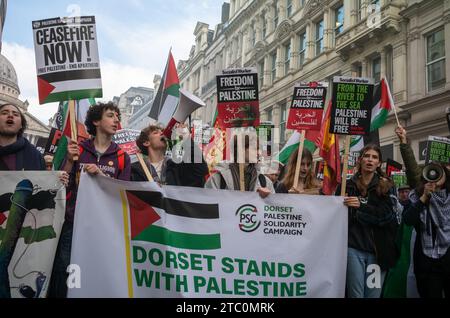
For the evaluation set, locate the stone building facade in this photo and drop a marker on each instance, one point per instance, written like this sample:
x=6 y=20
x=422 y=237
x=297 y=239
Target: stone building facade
x=289 y=41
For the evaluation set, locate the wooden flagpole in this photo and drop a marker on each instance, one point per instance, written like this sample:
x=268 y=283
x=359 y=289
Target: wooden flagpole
x=299 y=158
x=345 y=168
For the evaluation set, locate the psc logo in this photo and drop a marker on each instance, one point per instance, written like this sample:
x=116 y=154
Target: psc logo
x=248 y=221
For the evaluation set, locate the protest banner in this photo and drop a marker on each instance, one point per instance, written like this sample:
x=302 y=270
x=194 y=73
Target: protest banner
x=438 y=150
x=351 y=112
x=238 y=98
x=150 y=241
x=32 y=207
x=305 y=114
x=52 y=141
x=126 y=139
x=307 y=107
x=352 y=104
x=393 y=166
x=67 y=59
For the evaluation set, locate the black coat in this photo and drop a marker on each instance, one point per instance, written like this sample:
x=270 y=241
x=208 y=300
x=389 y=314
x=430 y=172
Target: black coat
x=373 y=226
x=27 y=156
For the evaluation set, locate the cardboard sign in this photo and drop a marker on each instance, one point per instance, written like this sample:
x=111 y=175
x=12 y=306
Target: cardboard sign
x=126 y=139
x=307 y=107
x=352 y=105
x=238 y=98
x=67 y=59
x=393 y=166
x=438 y=150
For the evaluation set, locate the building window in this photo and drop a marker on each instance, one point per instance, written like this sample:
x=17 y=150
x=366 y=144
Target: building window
x=289 y=8
x=283 y=120
x=436 y=60
x=274 y=65
x=376 y=69
x=319 y=37
x=261 y=73
x=302 y=3
x=302 y=49
x=287 y=58
x=339 y=20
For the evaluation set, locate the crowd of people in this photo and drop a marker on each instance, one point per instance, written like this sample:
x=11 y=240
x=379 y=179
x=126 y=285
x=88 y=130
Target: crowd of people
x=376 y=209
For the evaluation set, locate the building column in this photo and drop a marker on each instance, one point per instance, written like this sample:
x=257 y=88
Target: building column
x=364 y=4
x=400 y=71
x=276 y=119
x=282 y=14
x=309 y=52
x=294 y=63
x=364 y=68
x=327 y=30
x=383 y=63
x=258 y=28
x=280 y=62
x=267 y=71
x=349 y=18
x=263 y=115
x=447 y=42
x=270 y=14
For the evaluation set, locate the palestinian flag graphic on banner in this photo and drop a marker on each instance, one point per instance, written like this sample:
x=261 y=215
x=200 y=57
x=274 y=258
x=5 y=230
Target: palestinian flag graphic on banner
x=146 y=223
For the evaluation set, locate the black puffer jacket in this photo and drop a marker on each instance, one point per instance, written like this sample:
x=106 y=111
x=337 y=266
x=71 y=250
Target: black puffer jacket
x=373 y=226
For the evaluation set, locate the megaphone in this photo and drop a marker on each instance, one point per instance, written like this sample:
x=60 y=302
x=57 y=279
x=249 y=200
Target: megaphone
x=432 y=172
x=188 y=104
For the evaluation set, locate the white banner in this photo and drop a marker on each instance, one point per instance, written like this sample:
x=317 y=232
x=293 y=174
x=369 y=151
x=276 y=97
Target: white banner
x=141 y=240
x=32 y=206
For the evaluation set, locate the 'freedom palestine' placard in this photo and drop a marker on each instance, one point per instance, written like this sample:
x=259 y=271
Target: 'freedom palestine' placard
x=67 y=59
x=352 y=105
x=307 y=107
x=238 y=99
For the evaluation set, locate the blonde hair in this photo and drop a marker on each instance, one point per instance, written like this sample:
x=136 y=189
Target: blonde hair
x=311 y=181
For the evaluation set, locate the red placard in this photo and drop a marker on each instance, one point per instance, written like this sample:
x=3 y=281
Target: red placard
x=307 y=107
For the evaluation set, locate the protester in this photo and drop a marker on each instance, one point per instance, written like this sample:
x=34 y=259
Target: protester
x=275 y=173
x=372 y=225
x=429 y=213
x=190 y=172
x=403 y=195
x=16 y=152
x=307 y=181
x=226 y=176
x=413 y=171
x=97 y=156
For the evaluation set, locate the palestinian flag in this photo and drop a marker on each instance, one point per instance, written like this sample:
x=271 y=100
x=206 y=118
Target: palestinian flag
x=167 y=98
x=81 y=107
x=146 y=224
x=400 y=281
x=383 y=104
x=294 y=142
x=69 y=85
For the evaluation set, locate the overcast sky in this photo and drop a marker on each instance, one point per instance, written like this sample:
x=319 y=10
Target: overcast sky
x=134 y=38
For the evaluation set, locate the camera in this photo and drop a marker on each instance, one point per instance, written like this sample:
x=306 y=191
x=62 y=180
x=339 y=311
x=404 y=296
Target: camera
x=432 y=172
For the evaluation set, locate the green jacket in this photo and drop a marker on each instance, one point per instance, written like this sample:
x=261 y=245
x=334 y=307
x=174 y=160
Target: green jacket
x=413 y=170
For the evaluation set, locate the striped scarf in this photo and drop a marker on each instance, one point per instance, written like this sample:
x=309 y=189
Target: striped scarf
x=435 y=224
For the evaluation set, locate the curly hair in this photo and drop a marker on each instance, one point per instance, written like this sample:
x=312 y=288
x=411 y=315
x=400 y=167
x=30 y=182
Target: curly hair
x=95 y=113
x=143 y=137
x=22 y=118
